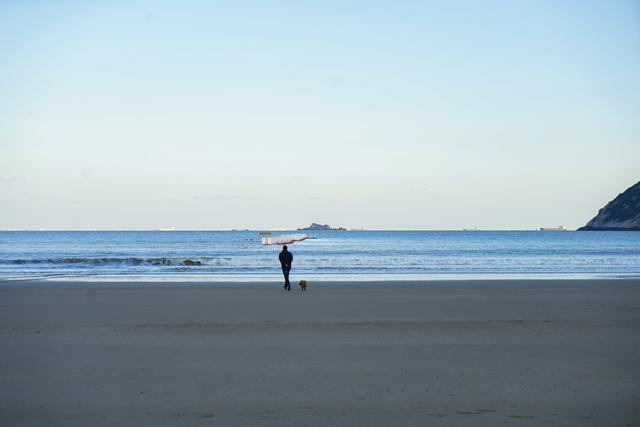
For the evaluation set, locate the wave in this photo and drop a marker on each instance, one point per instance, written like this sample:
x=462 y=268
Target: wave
x=159 y=261
x=335 y=262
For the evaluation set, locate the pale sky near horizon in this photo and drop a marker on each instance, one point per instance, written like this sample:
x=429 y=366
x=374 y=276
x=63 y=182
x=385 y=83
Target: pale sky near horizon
x=383 y=115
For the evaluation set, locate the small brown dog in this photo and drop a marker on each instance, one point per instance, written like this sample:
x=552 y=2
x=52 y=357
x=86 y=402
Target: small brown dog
x=303 y=285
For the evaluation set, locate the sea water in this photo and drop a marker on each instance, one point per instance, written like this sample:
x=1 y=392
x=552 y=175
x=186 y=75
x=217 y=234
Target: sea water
x=333 y=255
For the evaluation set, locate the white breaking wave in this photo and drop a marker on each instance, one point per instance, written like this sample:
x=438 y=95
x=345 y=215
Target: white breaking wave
x=284 y=239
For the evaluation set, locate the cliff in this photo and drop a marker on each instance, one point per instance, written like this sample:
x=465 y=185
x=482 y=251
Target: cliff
x=622 y=213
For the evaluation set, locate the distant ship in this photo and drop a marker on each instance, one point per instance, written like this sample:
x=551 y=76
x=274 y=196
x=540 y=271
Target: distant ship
x=558 y=228
x=471 y=229
x=166 y=229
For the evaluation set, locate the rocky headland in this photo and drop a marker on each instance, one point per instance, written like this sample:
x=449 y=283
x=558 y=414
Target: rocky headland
x=620 y=214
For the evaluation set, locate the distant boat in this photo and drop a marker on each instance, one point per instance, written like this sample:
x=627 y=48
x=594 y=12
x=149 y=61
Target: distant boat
x=471 y=229
x=558 y=228
x=166 y=229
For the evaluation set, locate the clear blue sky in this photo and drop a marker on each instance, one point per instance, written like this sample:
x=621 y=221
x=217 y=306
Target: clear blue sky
x=388 y=115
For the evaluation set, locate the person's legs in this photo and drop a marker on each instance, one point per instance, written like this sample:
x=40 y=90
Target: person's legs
x=286 y=271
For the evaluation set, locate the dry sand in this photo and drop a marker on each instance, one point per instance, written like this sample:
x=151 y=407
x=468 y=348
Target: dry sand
x=434 y=353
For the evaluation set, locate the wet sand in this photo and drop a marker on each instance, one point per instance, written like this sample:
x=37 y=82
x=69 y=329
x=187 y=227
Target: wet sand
x=549 y=352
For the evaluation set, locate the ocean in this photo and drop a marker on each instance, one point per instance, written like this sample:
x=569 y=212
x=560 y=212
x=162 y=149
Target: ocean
x=333 y=255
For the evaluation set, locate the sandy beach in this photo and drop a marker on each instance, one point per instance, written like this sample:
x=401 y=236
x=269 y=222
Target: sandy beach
x=396 y=353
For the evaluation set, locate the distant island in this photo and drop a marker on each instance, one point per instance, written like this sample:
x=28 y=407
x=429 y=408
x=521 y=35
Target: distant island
x=315 y=226
x=620 y=214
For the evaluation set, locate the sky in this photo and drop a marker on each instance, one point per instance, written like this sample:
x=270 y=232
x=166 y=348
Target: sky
x=363 y=114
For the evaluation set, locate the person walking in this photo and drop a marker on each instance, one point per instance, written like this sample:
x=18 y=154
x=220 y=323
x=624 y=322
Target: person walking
x=286 y=258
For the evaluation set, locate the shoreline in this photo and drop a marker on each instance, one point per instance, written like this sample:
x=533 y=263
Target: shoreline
x=242 y=281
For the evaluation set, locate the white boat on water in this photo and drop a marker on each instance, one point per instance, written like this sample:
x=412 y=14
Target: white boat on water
x=558 y=228
x=166 y=229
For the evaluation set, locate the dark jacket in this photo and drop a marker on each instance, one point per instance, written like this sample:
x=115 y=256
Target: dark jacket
x=286 y=258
